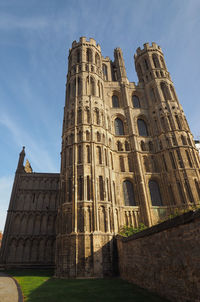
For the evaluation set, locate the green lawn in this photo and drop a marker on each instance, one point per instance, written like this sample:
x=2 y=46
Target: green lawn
x=40 y=286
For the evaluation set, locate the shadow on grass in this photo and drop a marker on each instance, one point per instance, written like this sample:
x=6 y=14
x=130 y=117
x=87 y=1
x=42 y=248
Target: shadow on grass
x=80 y=290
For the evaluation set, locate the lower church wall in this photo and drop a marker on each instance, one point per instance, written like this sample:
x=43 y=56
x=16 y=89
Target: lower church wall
x=165 y=258
x=85 y=255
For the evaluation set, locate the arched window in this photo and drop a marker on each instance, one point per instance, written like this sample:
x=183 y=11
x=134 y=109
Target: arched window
x=154 y=189
x=88 y=153
x=106 y=159
x=88 y=115
x=150 y=146
x=78 y=56
x=139 y=72
x=115 y=101
x=99 y=154
x=89 y=55
x=99 y=89
x=119 y=146
x=105 y=73
x=163 y=62
x=79 y=86
x=135 y=101
x=79 y=154
x=101 y=188
x=152 y=94
x=183 y=139
x=97 y=119
x=143 y=146
x=173 y=92
x=142 y=127
x=97 y=59
x=155 y=61
x=92 y=86
x=146 y=64
x=127 y=147
x=80 y=188
x=165 y=91
x=129 y=198
x=88 y=188
x=119 y=127
x=87 y=135
x=111 y=159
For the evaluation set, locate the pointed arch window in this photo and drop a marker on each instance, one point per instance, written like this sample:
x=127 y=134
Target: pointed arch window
x=97 y=60
x=127 y=146
x=163 y=62
x=119 y=127
x=139 y=71
x=78 y=56
x=92 y=86
x=155 y=61
x=89 y=55
x=79 y=86
x=135 y=101
x=80 y=188
x=142 y=127
x=129 y=198
x=101 y=188
x=154 y=189
x=99 y=155
x=79 y=154
x=146 y=64
x=165 y=91
x=105 y=72
x=88 y=153
x=115 y=101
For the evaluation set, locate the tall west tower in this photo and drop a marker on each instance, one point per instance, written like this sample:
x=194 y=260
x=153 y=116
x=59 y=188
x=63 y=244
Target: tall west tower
x=128 y=155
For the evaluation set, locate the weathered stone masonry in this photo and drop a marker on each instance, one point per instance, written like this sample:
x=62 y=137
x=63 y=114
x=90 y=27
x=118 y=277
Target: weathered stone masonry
x=165 y=258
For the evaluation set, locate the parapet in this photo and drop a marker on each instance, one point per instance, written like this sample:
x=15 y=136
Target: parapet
x=147 y=47
x=83 y=40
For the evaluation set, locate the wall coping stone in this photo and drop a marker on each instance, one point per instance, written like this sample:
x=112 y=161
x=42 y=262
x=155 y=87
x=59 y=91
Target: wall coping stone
x=168 y=224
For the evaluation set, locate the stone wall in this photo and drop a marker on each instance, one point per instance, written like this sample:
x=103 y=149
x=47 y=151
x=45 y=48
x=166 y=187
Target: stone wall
x=165 y=258
x=30 y=231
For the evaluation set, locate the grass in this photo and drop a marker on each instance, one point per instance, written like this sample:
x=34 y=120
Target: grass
x=40 y=286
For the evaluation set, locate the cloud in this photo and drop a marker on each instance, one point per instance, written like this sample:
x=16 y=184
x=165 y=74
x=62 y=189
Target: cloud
x=38 y=155
x=5 y=192
x=10 y=22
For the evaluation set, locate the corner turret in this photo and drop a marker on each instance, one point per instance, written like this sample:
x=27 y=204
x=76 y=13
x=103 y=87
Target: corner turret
x=150 y=63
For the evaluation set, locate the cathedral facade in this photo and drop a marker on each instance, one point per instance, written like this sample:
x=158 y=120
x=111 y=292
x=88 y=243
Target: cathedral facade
x=128 y=157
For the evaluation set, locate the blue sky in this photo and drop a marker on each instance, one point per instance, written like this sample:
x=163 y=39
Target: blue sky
x=35 y=37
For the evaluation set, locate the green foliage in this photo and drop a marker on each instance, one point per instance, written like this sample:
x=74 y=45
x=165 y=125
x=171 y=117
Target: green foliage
x=127 y=231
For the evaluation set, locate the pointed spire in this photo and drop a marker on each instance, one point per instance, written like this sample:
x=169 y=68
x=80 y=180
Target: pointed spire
x=28 y=168
x=21 y=160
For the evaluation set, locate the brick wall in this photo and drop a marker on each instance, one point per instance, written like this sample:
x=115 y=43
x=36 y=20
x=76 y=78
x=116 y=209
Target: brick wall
x=165 y=258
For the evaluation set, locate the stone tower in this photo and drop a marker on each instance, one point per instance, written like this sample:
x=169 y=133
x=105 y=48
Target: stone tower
x=128 y=155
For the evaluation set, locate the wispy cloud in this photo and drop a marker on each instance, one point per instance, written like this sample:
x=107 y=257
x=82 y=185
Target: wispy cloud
x=37 y=153
x=10 y=22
